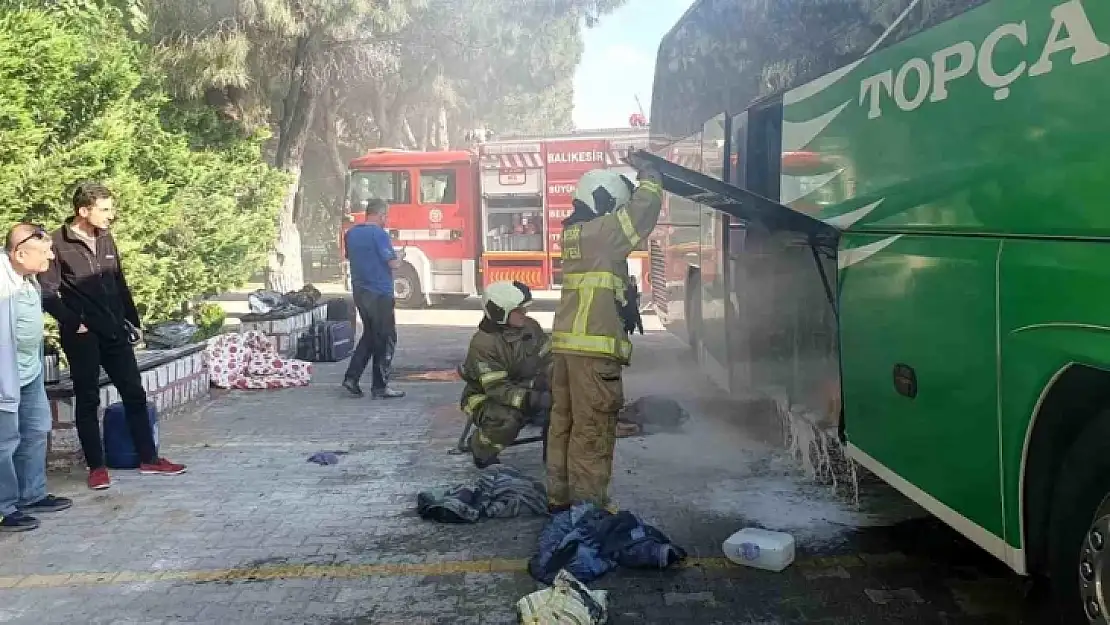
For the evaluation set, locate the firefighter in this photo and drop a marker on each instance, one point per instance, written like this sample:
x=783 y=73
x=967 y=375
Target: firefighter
x=506 y=371
x=590 y=334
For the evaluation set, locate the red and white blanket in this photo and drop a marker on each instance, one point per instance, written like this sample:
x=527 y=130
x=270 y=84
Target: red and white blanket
x=251 y=361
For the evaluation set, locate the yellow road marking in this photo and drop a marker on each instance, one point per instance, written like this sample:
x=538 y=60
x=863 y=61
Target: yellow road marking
x=338 y=571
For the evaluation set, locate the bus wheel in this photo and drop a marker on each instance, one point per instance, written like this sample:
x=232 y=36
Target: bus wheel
x=406 y=288
x=1079 y=540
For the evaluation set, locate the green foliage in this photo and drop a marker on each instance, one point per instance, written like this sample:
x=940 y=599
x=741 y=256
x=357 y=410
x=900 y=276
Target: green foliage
x=209 y=318
x=79 y=100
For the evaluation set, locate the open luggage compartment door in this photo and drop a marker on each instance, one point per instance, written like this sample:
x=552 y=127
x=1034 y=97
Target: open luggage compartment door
x=746 y=207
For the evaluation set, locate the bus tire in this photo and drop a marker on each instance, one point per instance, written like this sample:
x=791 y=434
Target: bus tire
x=406 y=287
x=1079 y=528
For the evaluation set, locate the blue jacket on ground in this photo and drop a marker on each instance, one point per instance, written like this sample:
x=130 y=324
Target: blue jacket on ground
x=589 y=542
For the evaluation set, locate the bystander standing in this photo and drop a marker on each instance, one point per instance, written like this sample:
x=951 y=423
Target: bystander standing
x=85 y=290
x=372 y=258
x=25 y=417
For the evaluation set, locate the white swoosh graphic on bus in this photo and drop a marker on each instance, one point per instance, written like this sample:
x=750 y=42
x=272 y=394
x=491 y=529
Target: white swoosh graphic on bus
x=797 y=135
x=847 y=258
x=794 y=192
x=818 y=85
x=847 y=220
x=821 y=83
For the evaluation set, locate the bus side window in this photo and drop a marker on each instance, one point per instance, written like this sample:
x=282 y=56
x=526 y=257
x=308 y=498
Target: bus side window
x=437 y=186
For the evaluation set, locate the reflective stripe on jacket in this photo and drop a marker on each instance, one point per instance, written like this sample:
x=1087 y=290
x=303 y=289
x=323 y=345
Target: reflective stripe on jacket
x=595 y=272
x=502 y=363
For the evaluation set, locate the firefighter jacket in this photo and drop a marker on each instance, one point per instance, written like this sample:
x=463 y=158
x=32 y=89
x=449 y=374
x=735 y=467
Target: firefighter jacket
x=502 y=365
x=595 y=274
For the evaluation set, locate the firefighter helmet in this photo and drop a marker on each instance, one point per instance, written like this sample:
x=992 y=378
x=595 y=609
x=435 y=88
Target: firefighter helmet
x=501 y=298
x=603 y=191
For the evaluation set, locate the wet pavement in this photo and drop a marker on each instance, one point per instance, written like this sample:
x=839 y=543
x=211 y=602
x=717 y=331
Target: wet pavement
x=255 y=534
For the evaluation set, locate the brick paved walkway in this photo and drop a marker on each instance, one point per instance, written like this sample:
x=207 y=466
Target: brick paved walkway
x=254 y=534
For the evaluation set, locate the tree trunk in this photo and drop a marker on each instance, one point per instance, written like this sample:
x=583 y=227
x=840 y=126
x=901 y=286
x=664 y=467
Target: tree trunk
x=425 y=132
x=409 y=136
x=329 y=122
x=442 y=139
x=390 y=131
x=285 y=271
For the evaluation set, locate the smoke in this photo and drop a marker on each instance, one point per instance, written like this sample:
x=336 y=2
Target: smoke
x=764 y=435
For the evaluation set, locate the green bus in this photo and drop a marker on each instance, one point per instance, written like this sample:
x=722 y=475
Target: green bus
x=940 y=257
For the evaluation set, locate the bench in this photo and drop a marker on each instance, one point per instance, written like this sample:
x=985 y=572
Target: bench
x=172 y=378
x=287 y=330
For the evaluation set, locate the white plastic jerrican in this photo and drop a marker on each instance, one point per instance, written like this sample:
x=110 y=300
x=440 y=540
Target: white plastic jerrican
x=761 y=549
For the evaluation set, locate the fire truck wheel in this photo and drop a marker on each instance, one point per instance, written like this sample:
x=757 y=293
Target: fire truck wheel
x=406 y=288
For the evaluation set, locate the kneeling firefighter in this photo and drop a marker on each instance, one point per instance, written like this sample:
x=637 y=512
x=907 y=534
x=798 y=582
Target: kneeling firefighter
x=590 y=334
x=506 y=371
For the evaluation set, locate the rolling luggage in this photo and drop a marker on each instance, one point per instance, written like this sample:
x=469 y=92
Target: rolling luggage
x=341 y=309
x=327 y=341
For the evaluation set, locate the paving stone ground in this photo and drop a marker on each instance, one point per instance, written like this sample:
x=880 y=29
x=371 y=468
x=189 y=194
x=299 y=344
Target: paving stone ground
x=254 y=534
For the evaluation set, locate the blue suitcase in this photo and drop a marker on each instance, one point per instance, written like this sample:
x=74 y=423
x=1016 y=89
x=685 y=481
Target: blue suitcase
x=333 y=341
x=119 y=449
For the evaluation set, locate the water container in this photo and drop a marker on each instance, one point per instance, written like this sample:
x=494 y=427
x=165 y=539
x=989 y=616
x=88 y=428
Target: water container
x=119 y=449
x=761 y=549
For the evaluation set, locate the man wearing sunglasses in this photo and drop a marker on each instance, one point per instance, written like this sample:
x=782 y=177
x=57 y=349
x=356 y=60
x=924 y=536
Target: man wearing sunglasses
x=24 y=409
x=98 y=324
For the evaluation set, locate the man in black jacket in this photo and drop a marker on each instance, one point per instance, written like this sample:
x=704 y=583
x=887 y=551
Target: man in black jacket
x=85 y=290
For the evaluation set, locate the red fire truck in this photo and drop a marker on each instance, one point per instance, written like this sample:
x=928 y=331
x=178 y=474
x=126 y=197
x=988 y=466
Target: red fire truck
x=468 y=218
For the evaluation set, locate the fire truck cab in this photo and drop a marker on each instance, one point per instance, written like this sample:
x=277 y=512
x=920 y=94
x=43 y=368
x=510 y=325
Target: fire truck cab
x=430 y=218
x=466 y=219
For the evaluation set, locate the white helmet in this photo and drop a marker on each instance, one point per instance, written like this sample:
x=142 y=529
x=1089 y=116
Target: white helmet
x=603 y=190
x=501 y=298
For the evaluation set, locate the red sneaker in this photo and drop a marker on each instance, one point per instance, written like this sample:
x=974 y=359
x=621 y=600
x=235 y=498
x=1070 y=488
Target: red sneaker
x=99 y=479
x=161 y=466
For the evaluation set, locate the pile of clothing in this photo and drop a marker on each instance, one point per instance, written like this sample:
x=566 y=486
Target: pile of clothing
x=501 y=492
x=588 y=542
x=268 y=305
x=251 y=361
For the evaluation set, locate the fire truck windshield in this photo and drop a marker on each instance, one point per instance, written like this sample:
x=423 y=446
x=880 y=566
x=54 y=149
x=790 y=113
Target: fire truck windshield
x=392 y=186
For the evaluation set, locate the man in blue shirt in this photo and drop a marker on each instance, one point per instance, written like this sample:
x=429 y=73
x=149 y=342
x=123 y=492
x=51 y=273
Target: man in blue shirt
x=370 y=252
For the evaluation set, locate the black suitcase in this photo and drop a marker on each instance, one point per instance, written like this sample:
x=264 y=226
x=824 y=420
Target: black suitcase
x=341 y=309
x=332 y=341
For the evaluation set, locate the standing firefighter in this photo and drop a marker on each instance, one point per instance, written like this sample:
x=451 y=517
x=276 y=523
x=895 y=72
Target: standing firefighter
x=590 y=335
x=506 y=371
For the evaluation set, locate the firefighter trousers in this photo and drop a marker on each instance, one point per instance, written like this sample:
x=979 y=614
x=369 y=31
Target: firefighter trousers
x=496 y=426
x=587 y=394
